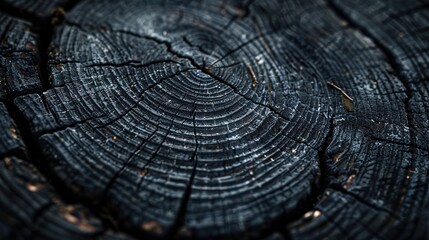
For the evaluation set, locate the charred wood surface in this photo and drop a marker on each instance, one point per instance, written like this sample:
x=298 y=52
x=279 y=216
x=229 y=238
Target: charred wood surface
x=214 y=119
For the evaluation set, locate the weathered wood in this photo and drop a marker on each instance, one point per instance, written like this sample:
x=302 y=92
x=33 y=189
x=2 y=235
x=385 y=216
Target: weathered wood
x=37 y=10
x=19 y=59
x=218 y=119
x=29 y=206
x=384 y=191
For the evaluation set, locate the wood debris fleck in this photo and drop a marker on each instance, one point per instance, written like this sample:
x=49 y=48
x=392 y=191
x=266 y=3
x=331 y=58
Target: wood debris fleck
x=34 y=187
x=252 y=73
x=13 y=132
x=143 y=172
x=346 y=99
x=312 y=214
x=8 y=163
x=316 y=214
x=152 y=226
x=349 y=181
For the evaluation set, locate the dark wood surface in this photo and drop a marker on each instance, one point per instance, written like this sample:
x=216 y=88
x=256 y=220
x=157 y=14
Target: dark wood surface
x=214 y=119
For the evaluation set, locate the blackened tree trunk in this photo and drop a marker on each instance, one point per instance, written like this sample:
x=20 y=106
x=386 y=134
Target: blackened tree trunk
x=214 y=119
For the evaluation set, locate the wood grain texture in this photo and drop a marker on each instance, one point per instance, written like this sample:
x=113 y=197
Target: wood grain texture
x=19 y=69
x=386 y=197
x=37 y=10
x=219 y=119
x=29 y=205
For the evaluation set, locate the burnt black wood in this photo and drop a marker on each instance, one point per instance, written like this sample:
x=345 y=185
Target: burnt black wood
x=30 y=208
x=37 y=10
x=214 y=119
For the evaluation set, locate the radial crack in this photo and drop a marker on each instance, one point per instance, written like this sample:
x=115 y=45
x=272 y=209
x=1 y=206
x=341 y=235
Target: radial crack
x=395 y=65
x=205 y=69
x=270 y=108
x=187 y=194
x=130 y=158
x=86 y=121
x=251 y=40
x=124 y=166
x=342 y=190
x=153 y=155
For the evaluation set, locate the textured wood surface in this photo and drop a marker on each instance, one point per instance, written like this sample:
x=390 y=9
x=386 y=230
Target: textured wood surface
x=214 y=119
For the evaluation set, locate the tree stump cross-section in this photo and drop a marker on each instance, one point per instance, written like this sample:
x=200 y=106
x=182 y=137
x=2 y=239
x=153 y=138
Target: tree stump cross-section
x=218 y=119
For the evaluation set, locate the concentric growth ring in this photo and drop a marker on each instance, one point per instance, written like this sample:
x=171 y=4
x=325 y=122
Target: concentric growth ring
x=184 y=117
x=214 y=119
